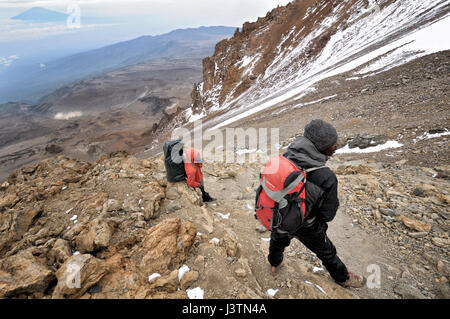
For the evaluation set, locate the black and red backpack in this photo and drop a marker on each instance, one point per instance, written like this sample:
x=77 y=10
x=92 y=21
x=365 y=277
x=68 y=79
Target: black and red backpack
x=283 y=201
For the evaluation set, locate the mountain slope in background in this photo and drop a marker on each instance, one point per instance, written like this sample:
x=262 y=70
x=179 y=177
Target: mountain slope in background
x=38 y=14
x=185 y=43
x=281 y=56
x=139 y=88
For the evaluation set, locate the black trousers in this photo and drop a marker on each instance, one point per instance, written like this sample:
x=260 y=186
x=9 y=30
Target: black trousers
x=316 y=240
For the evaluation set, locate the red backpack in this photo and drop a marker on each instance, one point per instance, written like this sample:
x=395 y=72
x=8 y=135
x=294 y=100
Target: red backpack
x=281 y=199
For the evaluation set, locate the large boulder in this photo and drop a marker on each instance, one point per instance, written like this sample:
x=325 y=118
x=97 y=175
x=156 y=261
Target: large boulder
x=166 y=245
x=24 y=273
x=78 y=274
x=14 y=224
x=95 y=236
x=60 y=251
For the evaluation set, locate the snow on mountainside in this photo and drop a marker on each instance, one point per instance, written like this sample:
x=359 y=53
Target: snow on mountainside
x=281 y=56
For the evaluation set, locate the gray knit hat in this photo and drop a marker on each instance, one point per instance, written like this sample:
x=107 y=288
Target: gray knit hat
x=321 y=134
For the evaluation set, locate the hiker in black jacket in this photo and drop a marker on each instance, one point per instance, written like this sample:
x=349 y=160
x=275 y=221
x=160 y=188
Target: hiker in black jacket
x=312 y=151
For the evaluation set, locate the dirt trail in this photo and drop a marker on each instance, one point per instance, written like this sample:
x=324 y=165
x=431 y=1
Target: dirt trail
x=363 y=251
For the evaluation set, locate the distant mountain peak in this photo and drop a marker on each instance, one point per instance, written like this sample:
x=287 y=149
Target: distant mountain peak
x=41 y=15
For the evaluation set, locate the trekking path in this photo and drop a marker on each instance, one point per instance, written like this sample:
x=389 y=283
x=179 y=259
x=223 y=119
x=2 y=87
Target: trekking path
x=363 y=248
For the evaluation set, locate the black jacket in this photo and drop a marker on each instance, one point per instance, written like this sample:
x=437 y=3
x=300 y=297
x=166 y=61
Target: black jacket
x=305 y=155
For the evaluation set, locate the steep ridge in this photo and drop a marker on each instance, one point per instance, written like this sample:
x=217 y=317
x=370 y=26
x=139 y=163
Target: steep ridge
x=282 y=55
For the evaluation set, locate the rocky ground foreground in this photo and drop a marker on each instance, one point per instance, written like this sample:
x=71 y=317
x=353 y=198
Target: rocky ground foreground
x=116 y=229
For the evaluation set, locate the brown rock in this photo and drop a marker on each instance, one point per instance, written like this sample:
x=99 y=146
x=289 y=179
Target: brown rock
x=441 y=242
x=240 y=272
x=415 y=224
x=167 y=283
x=13 y=225
x=77 y=275
x=8 y=201
x=23 y=273
x=60 y=251
x=443 y=267
x=188 y=279
x=151 y=200
x=231 y=245
x=95 y=236
x=165 y=246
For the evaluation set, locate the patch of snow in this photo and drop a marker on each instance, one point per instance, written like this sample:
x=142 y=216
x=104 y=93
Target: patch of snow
x=216 y=240
x=272 y=292
x=427 y=135
x=245 y=61
x=183 y=269
x=317 y=269
x=321 y=289
x=317 y=286
x=196 y=293
x=69 y=210
x=67 y=116
x=153 y=276
x=305 y=104
x=194 y=117
x=74 y=217
x=265 y=239
x=389 y=144
x=224 y=216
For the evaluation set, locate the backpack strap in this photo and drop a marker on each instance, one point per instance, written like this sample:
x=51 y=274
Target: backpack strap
x=314 y=169
x=278 y=196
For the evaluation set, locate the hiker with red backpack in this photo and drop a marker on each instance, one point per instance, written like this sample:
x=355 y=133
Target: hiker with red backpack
x=194 y=176
x=184 y=164
x=298 y=197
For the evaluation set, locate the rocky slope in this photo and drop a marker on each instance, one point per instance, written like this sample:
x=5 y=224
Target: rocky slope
x=117 y=222
x=117 y=229
x=281 y=56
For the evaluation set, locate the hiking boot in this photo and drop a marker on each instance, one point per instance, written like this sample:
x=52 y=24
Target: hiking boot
x=206 y=198
x=354 y=281
x=274 y=270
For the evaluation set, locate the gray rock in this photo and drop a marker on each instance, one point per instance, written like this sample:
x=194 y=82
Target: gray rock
x=366 y=141
x=140 y=224
x=261 y=229
x=407 y=291
x=173 y=207
x=418 y=234
x=444 y=291
x=418 y=192
x=434 y=216
x=172 y=193
x=387 y=212
x=112 y=205
x=443 y=267
x=445 y=215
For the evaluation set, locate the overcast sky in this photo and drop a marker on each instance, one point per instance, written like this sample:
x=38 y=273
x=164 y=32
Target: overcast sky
x=111 y=21
x=205 y=12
